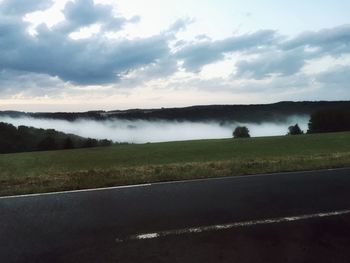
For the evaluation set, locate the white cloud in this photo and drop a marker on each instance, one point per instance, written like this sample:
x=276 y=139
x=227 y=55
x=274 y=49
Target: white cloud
x=65 y=49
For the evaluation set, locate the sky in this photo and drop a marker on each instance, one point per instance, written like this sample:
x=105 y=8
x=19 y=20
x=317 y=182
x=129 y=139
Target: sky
x=84 y=55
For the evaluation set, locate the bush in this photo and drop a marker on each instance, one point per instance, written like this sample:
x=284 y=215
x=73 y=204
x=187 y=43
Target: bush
x=241 y=132
x=105 y=143
x=90 y=143
x=294 y=130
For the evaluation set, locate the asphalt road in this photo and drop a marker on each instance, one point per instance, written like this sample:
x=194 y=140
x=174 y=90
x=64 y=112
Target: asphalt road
x=100 y=225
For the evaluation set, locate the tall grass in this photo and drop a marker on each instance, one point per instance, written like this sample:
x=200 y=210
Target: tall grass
x=131 y=164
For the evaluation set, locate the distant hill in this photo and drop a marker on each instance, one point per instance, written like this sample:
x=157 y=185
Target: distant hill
x=226 y=113
x=25 y=139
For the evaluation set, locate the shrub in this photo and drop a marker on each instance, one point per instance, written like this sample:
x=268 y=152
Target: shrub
x=241 y=132
x=295 y=130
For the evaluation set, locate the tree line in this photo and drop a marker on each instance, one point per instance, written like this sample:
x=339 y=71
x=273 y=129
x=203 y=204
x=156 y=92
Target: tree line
x=26 y=139
x=328 y=120
x=276 y=112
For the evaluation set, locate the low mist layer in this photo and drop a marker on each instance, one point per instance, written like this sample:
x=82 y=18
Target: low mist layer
x=141 y=131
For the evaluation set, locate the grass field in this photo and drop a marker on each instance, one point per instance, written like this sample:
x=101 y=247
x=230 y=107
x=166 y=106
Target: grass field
x=130 y=164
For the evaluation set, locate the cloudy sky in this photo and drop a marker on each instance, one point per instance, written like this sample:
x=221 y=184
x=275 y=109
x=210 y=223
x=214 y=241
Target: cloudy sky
x=82 y=55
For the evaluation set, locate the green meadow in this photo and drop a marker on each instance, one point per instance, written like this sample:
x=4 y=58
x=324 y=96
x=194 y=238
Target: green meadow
x=35 y=172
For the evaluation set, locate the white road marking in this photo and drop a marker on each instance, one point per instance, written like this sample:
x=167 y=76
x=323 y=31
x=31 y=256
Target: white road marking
x=148 y=236
x=76 y=191
x=202 y=229
x=171 y=182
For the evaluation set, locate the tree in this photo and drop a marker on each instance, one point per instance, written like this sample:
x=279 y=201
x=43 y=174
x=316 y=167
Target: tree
x=90 y=143
x=241 y=132
x=105 y=143
x=294 y=130
x=331 y=120
x=47 y=144
x=8 y=138
x=68 y=143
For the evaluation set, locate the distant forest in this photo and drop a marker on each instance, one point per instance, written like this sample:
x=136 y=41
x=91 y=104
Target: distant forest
x=324 y=117
x=277 y=112
x=330 y=120
x=26 y=139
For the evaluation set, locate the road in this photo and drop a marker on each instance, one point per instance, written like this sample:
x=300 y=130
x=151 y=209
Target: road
x=288 y=217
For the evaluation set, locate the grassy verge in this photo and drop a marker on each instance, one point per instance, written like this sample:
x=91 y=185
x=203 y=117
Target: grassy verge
x=131 y=164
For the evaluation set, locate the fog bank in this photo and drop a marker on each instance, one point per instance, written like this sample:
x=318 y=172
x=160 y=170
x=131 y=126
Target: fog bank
x=141 y=131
